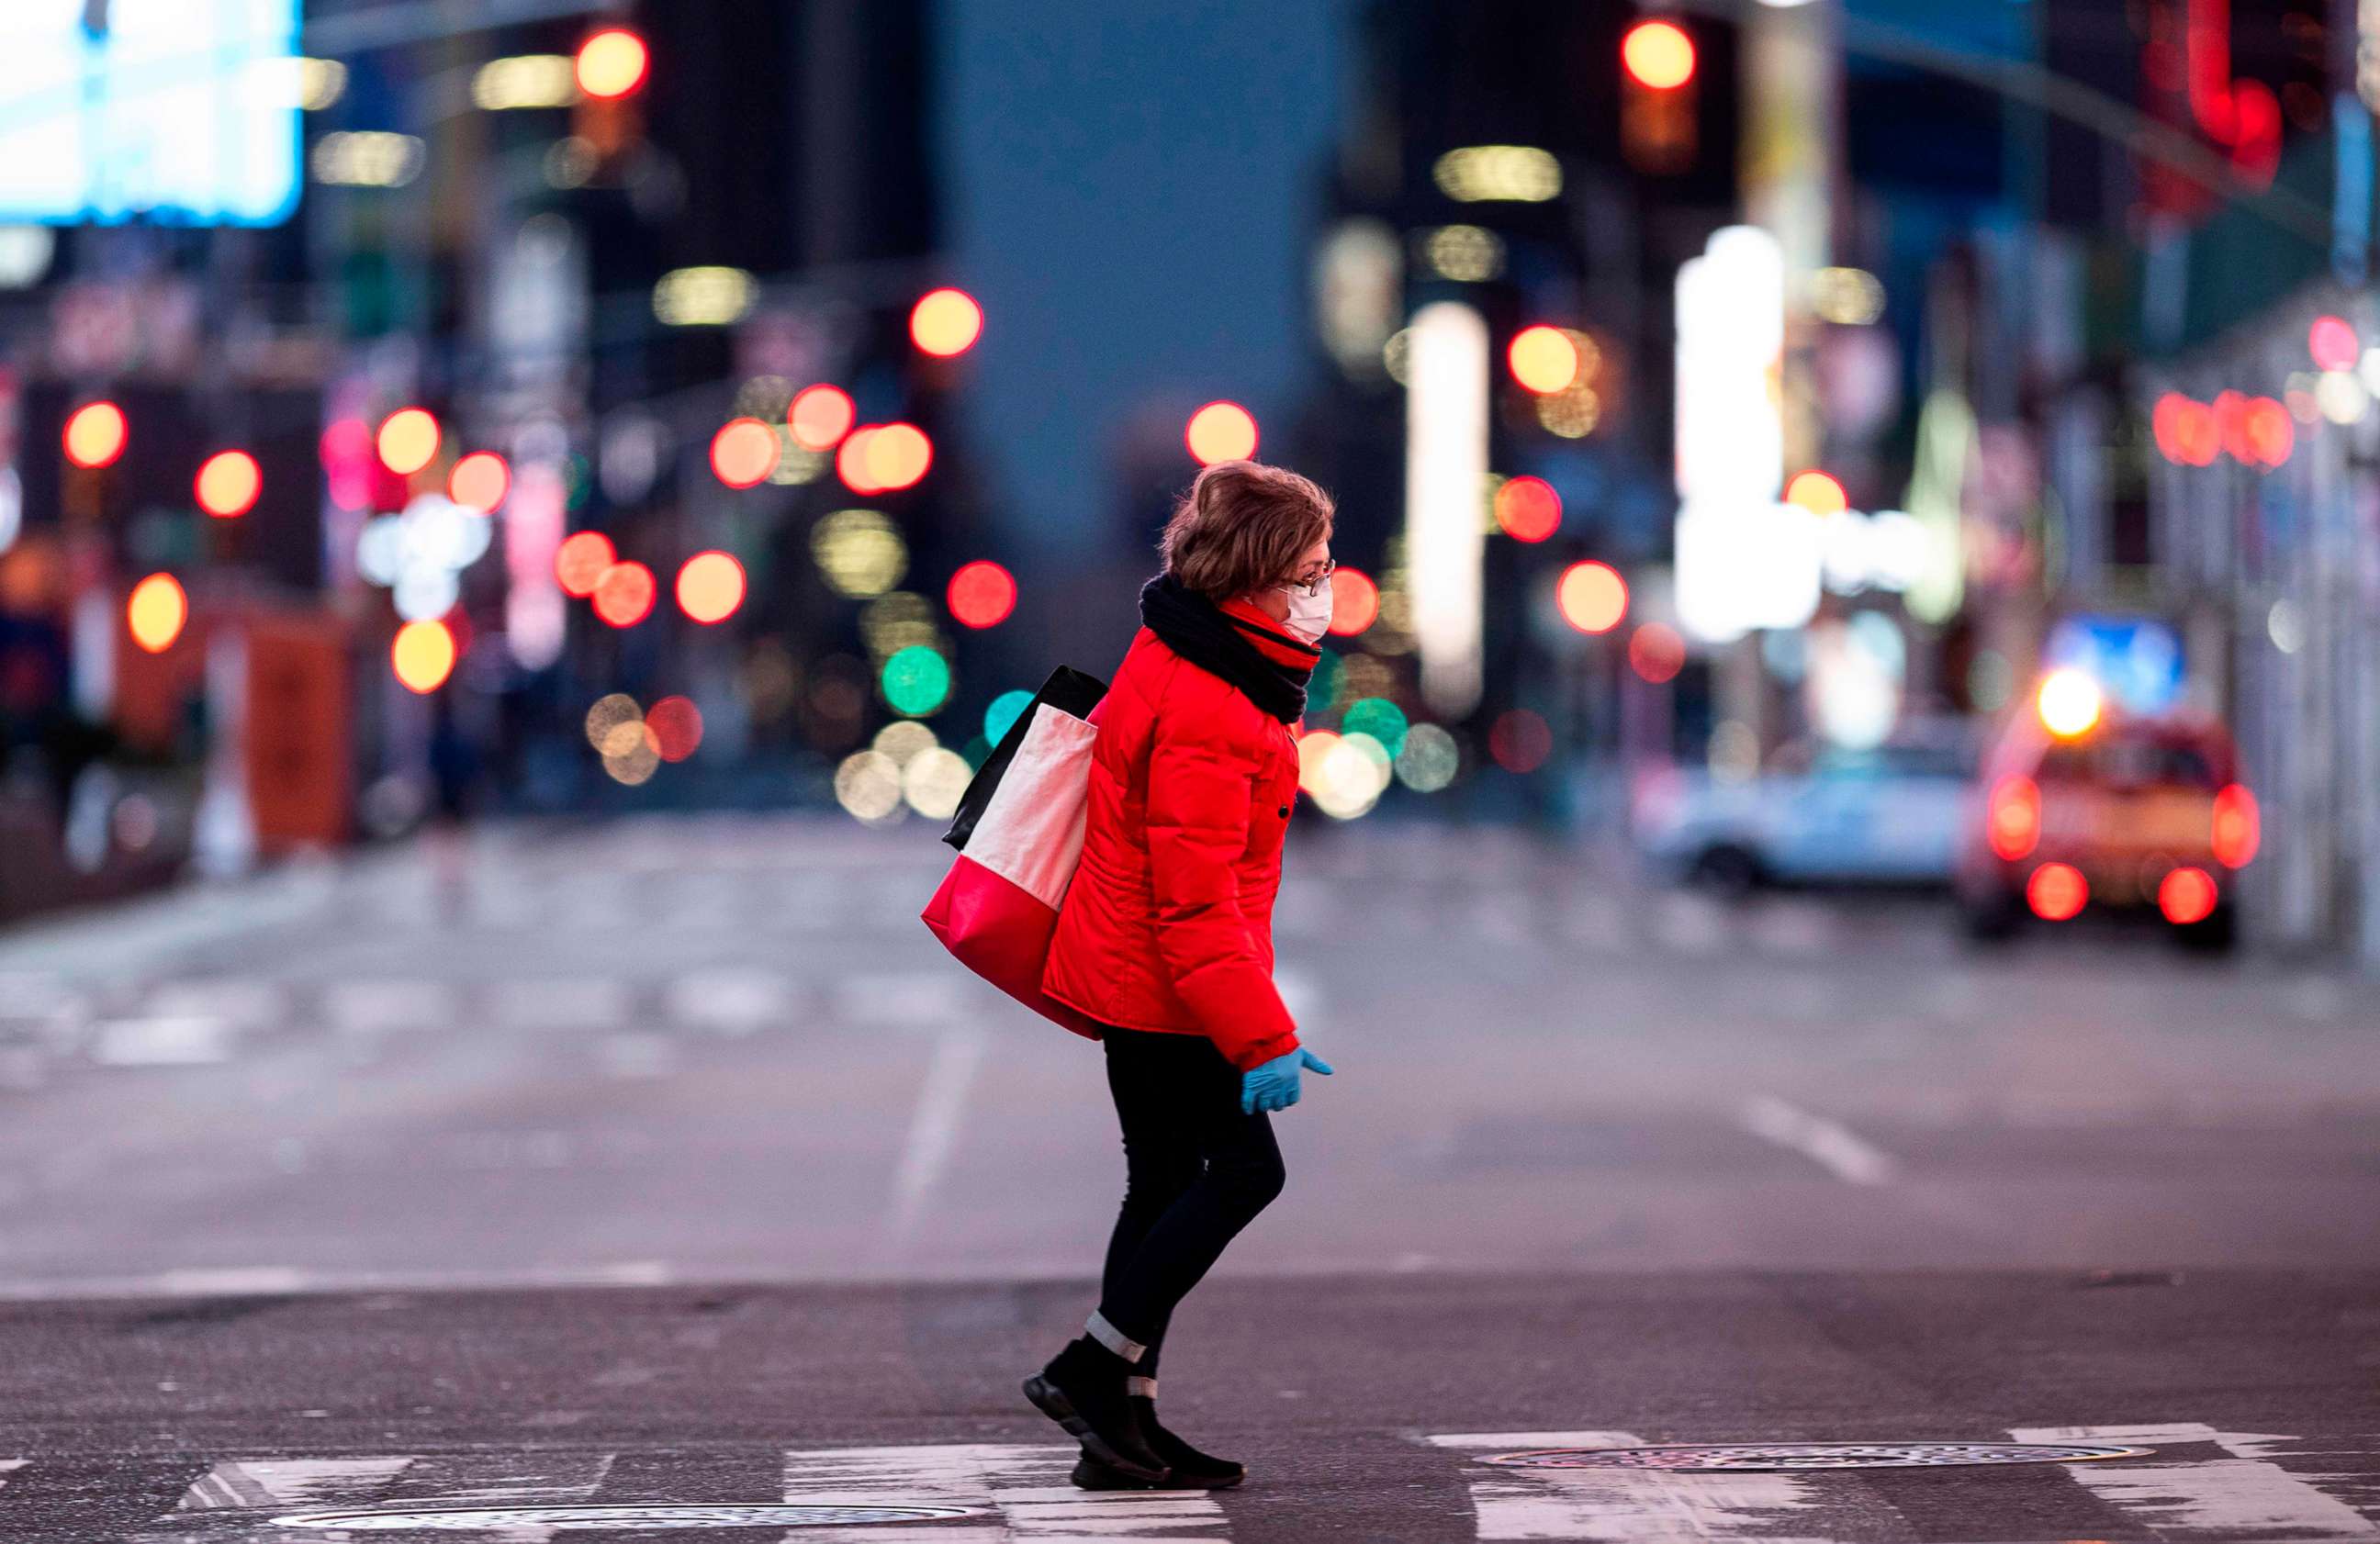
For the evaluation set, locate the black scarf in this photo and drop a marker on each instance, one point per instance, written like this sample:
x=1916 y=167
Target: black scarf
x=1214 y=640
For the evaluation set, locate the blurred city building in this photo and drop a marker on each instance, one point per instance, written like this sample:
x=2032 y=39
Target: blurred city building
x=406 y=415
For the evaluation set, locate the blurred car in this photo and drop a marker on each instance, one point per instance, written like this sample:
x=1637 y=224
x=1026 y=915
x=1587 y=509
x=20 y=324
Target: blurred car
x=2084 y=807
x=1829 y=815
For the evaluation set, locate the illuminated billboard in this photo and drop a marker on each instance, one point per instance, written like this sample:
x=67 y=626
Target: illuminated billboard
x=184 y=112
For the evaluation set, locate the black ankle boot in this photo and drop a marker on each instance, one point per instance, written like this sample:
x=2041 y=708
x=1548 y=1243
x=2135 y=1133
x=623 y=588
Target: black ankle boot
x=1083 y=1389
x=1191 y=1470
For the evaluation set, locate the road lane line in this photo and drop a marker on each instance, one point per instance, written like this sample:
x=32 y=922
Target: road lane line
x=1829 y=1144
x=1656 y=1506
x=2209 y=1499
x=933 y=1128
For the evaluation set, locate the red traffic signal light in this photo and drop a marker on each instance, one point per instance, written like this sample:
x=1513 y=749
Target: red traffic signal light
x=612 y=63
x=1658 y=55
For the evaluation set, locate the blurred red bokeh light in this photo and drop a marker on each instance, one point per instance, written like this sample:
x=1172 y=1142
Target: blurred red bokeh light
x=1355 y=601
x=580 y=560
x=676 y=727
x=623 y=597
x=982 y=594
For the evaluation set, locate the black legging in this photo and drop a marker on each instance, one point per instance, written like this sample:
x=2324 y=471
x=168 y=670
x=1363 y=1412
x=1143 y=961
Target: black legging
x=1196 y=1171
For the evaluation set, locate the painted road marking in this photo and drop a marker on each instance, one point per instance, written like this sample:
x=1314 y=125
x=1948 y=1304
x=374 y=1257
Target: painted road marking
x=934 y=1128
x=1025 y=1484
x=1829 y=1144
x=2211 y=1498
x=1657 y=1506
x=251 y=1482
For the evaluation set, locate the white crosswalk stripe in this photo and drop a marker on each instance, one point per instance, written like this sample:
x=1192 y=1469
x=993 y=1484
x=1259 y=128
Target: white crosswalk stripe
x=2244 y=1494
x=2198 y=1484
x=1652 y=1506
x=2180 y=1498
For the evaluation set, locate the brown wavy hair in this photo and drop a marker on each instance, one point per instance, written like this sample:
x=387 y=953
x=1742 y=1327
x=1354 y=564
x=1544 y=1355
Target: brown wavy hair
x=1242 y=526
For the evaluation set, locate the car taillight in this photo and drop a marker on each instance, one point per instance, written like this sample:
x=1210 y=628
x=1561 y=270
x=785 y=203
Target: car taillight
x=2237 y=827
x=2057 y=891
x=2014 y=818
x=2187 y=895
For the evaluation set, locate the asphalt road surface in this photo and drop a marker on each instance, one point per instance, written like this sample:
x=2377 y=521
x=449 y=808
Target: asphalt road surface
x=669 y=1165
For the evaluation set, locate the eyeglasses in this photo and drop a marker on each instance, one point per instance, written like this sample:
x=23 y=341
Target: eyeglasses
x=1312 y=587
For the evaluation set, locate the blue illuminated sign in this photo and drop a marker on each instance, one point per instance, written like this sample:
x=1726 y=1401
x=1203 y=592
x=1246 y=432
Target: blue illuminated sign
x=2136 y=660
x=183 y=112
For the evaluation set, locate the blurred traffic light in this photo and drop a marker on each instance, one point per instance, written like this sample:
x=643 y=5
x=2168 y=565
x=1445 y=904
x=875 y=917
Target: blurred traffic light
x=407 y=440
x=1817 y=493
x=96 y=435
x=612 y=63
x=820 y=417
x=155 y=612
x=481 y=481
x=1220 y=431
x=1528 y=509
x=1659 y=55
x=228 y=484
x=1355 y=601
x=1592 y=596
x=946 y=322
x=1543 y=358
x=1657 y=106
x=676 y=725
x=422 y=655
x=709 y=587
x=581 y=561
x=612 y=69
x=981 y=594
x=623 y=596
x=744 y=453
x=899 y=456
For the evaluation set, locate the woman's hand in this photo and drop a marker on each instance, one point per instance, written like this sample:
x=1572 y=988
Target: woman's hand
x=1274 y=1086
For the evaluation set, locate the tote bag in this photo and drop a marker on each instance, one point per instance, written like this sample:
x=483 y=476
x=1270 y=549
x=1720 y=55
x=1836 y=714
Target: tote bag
x=1019 y=832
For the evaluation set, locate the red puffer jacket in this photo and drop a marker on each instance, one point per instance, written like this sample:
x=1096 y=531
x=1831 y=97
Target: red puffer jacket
x=1168 y=923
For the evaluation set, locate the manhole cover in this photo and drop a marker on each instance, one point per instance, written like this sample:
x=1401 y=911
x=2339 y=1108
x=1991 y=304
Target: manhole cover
x=1812 y=1456
x=620 y=1519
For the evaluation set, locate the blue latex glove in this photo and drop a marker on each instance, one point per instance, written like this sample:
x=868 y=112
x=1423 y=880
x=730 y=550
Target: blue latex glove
x=1273 y=1086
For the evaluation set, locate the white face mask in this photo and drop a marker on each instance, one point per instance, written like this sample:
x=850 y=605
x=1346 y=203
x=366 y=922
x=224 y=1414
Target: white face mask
x=1310 y=615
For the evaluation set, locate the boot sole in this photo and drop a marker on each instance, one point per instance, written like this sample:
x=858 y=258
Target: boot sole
x=1087 y=1476
x=1048 y=1399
